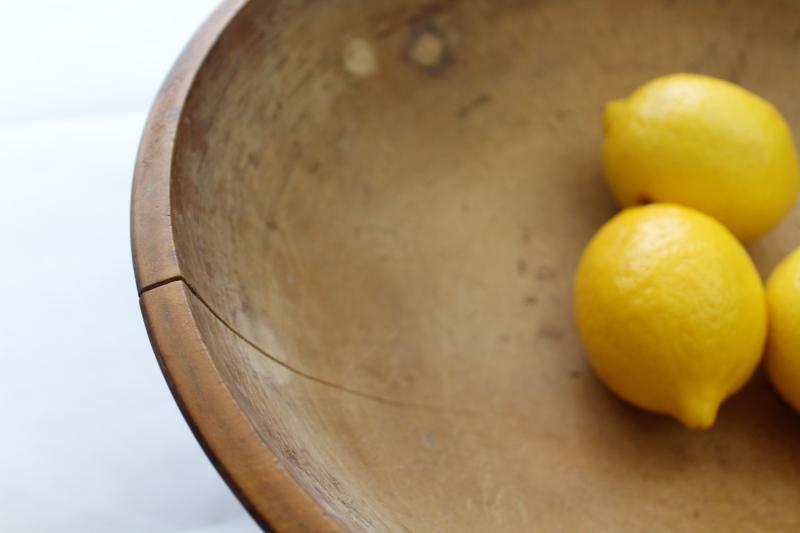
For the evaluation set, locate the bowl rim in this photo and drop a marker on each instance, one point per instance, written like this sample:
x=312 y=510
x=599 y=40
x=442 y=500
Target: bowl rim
x=252 y=471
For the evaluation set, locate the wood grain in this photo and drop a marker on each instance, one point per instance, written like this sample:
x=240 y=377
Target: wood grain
x=356 y=224
x=218 y=422
x=153 y=244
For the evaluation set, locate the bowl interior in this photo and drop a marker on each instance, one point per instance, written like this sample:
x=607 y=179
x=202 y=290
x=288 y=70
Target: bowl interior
x=379 y=207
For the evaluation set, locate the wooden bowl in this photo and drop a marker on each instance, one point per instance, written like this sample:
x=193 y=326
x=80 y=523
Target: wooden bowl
x=355 y=226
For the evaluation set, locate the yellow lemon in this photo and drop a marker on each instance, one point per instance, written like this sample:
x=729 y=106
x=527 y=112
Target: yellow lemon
x=783 y=344
x=704 y=143
x=671 y=311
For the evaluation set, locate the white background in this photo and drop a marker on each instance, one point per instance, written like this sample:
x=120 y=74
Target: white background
x=91 y=439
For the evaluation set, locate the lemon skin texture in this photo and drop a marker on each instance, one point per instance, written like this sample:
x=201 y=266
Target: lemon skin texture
x=783 y=344
x=705 y=143
x=671 y=311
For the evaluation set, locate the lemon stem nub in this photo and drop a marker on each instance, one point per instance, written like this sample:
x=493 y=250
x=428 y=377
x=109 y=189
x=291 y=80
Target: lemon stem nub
x=611 y=111
x=696 y=413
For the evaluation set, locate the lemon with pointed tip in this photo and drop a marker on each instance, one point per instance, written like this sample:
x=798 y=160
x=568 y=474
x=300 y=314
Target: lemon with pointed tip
x=704 y=143
x=671 y=311
x=783 y=344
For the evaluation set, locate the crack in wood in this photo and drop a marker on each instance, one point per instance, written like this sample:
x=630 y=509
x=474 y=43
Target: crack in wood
x=297 y=371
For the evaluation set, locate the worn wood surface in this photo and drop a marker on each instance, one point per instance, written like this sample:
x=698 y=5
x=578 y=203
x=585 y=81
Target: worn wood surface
x=373 y=215
x=151 y=225
x=218 y=422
